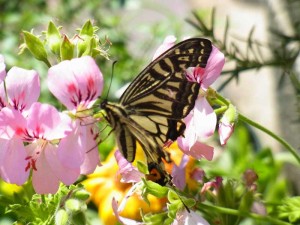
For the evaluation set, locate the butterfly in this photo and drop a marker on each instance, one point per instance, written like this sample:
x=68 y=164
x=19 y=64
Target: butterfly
x=152 y=108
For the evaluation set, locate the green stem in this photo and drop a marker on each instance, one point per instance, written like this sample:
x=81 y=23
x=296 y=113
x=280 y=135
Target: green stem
x=276 y=137
x=260 y=127
x=235 y=212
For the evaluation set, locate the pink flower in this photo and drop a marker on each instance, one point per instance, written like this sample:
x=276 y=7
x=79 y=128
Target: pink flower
x=225 y=131
x=2 y=68
x=189 y=218
x=226 y=124
x=23 y=89
x=178 y=173
x=212 y=184
x=40 y=129
x=77 y=83
x=128 y=172
x=201 y=122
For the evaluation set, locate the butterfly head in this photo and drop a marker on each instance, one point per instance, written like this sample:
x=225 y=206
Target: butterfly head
x=103 y=104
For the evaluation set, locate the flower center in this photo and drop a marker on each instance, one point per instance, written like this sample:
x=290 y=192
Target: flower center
x=34 y=154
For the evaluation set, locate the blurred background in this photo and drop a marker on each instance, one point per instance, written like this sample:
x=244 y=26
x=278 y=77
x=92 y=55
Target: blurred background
x=261 y=41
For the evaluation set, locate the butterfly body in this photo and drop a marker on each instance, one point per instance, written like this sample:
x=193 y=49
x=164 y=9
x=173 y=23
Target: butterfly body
x=151 y=109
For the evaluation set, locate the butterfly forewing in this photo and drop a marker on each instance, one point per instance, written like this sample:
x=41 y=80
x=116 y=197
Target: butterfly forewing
x=152 y=108
x=168 y=69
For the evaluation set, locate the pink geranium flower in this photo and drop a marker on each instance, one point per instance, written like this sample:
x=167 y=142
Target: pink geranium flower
x=40 y=129
x=225 y=130
x=77 y=83
x=22 y=89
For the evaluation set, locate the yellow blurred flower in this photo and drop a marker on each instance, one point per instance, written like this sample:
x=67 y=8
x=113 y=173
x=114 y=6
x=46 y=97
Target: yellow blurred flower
x=104 y=184
x=9 y=189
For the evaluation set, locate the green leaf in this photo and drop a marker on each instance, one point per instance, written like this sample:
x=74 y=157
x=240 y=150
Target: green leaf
x=290 y=209
x=173 y=209
x=79 y=219
x=157 y=219
x=154 y=189
x=36 y=47
x=142 y=167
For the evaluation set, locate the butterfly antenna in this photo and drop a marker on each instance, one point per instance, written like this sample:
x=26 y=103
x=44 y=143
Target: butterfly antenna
x=111 y=78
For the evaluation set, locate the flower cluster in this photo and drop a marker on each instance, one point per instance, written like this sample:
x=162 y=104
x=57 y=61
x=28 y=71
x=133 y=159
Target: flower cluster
x=37 y=137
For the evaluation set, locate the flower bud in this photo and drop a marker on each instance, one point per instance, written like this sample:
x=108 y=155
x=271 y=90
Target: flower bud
x=73 y=205
x=226 y=125
x=66 y=49
x=54 y=38
x=82 y=194
x=61 y=217
x=85 y=42
x=36 y=47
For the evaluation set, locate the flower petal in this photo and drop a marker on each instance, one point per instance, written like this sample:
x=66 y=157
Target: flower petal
x=44 y=180
x=91 y=160
x=44 y=121
x=76 y=82
x=128 y=172
x=12 y=161
x=23 y=87
x=204 y=120
x=178 y=173
x=72 y=148
x=168 y=43
x=213 y=68
x=12 y=123
x=65 y=174
x=225 y=131
x=200 y=124
x=200 y=150
x=187 y=218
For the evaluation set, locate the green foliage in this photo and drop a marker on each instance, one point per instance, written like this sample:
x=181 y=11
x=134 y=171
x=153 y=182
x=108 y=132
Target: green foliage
x=68 y=204
x=289 y=209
